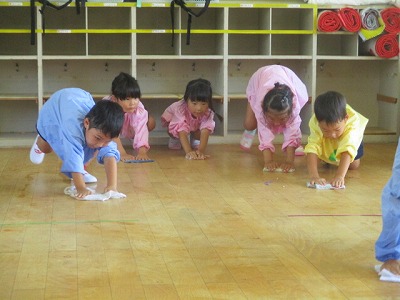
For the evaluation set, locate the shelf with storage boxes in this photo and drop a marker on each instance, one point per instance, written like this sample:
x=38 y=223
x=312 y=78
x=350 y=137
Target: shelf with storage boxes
x=370 y=83
x=228 y=44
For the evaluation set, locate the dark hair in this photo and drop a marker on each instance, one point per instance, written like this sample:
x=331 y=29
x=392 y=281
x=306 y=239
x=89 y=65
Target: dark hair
x=330 y=107
x=125 y=86
x=279 y=98
x=200 y=90
x=106 y=116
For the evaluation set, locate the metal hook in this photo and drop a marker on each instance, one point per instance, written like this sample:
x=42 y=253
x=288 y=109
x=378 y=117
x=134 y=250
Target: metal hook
x=106 y=67
x=16 y=67
x=238 y=66
x=322 y=67
x=153 y=66
x=194 y=67
x=65 y=67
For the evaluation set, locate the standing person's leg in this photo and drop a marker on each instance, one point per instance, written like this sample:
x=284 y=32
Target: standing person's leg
x=387 y=247
x=250 y=126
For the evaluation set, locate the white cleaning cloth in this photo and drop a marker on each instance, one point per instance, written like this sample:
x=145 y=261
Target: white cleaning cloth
x=279 y=170
x=327 y=186
x=71 y=191
x=386 y=275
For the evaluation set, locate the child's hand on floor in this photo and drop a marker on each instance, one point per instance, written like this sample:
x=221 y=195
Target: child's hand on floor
x=126 y=156
x=196 y=155
x=392 y=265
x=317 y=180
x=337 y=181
x=142 y=156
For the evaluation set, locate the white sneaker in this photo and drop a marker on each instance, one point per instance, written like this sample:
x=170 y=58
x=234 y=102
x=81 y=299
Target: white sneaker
x=299 y=151
x=247 y=139
x=174 y=144
x=88 y=178
x=35 y=154
x=194 y=143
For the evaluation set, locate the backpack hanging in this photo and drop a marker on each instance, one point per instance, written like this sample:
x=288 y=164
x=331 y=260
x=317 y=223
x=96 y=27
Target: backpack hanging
x=45 y=3
x=190 y=12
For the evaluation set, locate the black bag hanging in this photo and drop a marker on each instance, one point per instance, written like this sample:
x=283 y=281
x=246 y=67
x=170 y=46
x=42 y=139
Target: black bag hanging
x=78 y=4
x=190 y=12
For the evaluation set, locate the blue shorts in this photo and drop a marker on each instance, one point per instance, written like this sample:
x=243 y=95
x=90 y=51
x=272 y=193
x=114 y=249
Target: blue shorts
x=360 y=151
x=40 y=135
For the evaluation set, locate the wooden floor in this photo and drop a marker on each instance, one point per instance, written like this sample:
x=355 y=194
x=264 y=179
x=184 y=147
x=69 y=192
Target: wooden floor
x=213 y=229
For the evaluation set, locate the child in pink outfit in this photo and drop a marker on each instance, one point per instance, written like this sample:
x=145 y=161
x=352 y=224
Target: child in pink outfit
x=190 y=121
x=137 y=122
x=276 y=96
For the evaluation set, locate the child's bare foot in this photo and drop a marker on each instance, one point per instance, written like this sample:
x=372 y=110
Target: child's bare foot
x=392 y=265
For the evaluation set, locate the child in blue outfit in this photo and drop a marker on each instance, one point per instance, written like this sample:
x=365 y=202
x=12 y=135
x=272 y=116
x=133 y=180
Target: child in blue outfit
x=387 y=247
x=71 y=124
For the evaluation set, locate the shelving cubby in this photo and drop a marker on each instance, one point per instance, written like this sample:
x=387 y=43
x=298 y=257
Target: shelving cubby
x=360 y=81
x=153 y=31
x=163 y=80
x=116 y=23
x=337 y=44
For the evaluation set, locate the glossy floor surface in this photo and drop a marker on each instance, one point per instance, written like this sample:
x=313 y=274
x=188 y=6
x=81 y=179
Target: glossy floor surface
x=213 y=229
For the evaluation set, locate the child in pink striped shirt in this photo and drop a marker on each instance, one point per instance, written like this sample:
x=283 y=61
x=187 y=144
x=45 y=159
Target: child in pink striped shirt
x=276 y=96
x=125 y=91
x=190 y=121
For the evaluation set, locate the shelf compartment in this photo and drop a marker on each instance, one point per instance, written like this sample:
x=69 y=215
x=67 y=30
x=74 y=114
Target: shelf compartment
x=64 y=44
x=236 y=114
x=15 y=17
x=162 y=76
x=292 y=19
x=337 y=44
x=361 y=82
x=16 y=44
x=113 y=43
x=23 y=111
x=157 y=18
x=94 y=76
x=65 y=19
x=156 y=44
x=249 y=19
x=249 y=44
x=109 y=44
x=18 y=77
x=153 y=31
x=58 y=37
x=15 y=31
x=202 y=44
x=291 y=44
x=213 y=19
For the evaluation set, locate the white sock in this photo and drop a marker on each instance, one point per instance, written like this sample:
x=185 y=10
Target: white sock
x=36 y=155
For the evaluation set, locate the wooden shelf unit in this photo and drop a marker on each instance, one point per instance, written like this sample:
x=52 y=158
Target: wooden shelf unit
x=227 y=45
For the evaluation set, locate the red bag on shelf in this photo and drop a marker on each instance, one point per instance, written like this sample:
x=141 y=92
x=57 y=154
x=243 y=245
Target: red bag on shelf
x=391 y=17
x=329 y=21
x=350 y=18
x=385 y=46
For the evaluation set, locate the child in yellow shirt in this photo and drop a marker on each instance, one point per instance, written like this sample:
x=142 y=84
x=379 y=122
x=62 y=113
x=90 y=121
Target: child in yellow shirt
x=336 y=134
